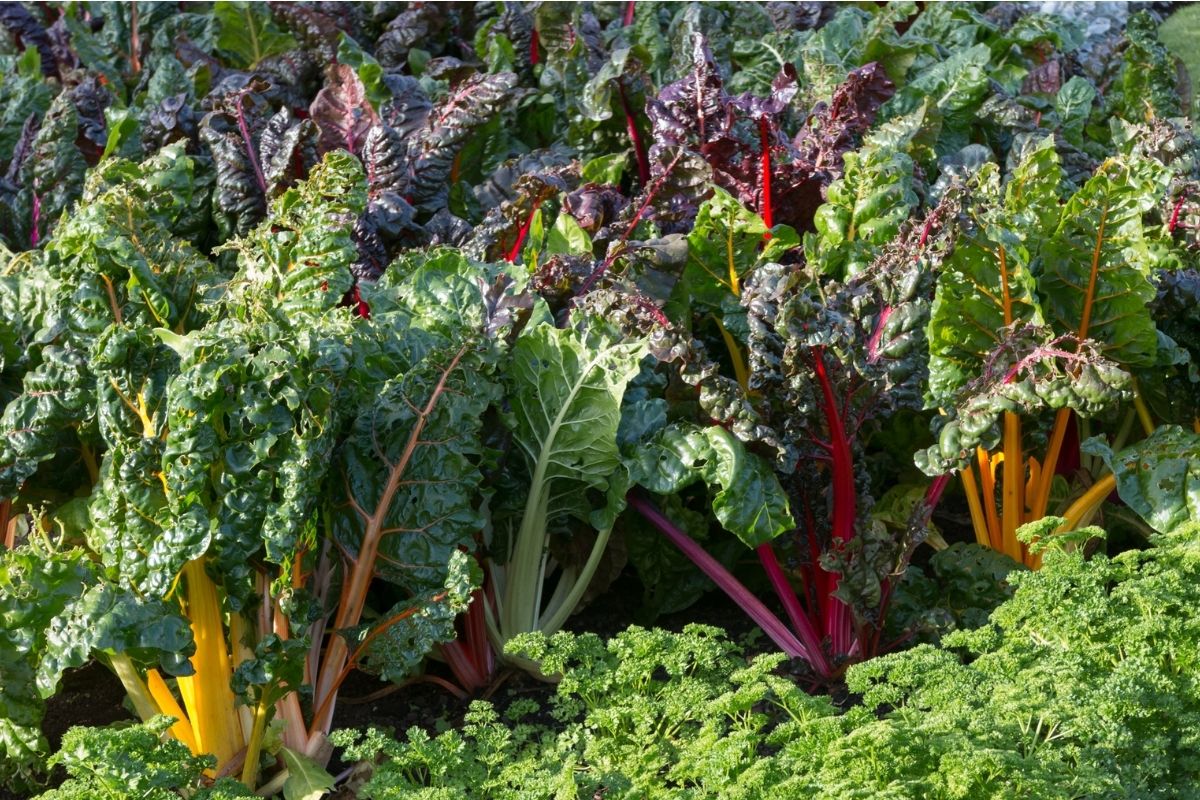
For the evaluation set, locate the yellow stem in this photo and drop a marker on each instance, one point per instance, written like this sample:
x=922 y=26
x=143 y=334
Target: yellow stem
x=254 y=748
x=207 y=694
x=1042 y=497
x=1143 y=411
x=182 y=729
x=733 y=276
x=138 y=409
x=89 y=461
x=987 y=481
x=740 y=371
x=1014 y=484
x=1088 y=502
x=978 y=521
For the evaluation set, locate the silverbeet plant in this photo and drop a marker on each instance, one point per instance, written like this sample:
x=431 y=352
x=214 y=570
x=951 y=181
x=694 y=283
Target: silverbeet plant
x=333 y=337
x=251 y=486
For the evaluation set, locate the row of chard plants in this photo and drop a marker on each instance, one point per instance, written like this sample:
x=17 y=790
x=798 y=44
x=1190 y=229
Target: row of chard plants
x=372 y=336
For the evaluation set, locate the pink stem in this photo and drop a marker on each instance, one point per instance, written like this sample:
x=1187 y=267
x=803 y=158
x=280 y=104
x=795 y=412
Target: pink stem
x=762 y=616
x=873 y=344
x=34 y=236
x=249 y=142
x=801 y=624
x=764 y=134
x=627 y=19
x=838 y=617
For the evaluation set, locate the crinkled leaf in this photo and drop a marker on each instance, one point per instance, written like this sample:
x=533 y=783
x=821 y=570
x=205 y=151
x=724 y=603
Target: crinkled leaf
x=1028 y=373
x=107 y=620
x=746 y=496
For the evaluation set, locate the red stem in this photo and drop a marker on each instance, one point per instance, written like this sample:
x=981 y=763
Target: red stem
x=249 y=142
x=837 y=614
x=360 y=306
x=533 y=48
x=801 y=624
x=639 y=147
x=511 y=256
x=764 y=134
x=762 y=616
x=627 y=19
x=924 y=236
x=1175 y=213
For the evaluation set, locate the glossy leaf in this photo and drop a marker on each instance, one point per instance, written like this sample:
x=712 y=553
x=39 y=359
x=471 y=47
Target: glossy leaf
x=746 y=496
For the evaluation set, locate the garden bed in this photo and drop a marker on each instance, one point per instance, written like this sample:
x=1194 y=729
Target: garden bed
x=598 y=400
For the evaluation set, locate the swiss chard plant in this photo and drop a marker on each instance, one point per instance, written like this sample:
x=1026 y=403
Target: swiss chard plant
x=335 y=337
x=1044 y=306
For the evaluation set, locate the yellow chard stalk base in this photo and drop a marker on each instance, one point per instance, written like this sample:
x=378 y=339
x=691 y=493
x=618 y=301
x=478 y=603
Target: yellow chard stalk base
x=182 y=729
x=207 y=695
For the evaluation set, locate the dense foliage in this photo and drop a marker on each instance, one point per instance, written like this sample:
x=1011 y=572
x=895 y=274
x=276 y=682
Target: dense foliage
x=1079 y=686
x=387 y=336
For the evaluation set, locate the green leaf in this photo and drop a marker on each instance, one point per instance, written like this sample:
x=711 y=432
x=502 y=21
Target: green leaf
x=107 y=620
x=424 y=374
x=1101 y=241
x=969 y=308
x=567 y=237
x=1073 y=104
x=747 y=498
x=298 y=260
x=724 y=246
x=306 y=779
x=35 y=588
x=954 y=87
x=864 y=210
x=1159 y=477
x=565 y=388
x=1149 y=81
x=246 y=32
x=605 y=169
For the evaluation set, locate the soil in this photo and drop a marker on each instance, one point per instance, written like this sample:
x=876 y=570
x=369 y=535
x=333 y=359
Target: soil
x=91 y=695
